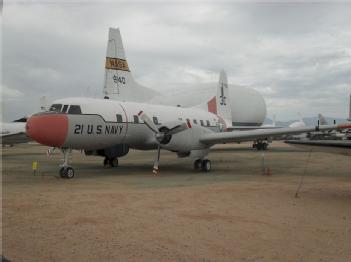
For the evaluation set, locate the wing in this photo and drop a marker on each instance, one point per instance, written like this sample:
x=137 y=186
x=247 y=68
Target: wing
x=249 y=135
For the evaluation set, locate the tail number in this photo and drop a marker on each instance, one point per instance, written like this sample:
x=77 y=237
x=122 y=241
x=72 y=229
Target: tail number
x=119 y=79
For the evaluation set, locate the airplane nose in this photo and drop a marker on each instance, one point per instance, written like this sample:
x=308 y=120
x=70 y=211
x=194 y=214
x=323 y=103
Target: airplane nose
x=48 y=129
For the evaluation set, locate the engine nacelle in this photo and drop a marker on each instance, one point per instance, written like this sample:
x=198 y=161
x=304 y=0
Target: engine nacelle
x=187 y=140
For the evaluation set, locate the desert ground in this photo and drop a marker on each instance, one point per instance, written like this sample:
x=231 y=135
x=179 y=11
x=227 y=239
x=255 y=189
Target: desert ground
x=232 y=213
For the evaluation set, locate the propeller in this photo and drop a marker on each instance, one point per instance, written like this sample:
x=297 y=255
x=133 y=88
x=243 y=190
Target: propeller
x=163 y=135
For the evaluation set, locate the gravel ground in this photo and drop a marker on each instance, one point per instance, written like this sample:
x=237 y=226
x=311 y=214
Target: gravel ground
x=126 y=214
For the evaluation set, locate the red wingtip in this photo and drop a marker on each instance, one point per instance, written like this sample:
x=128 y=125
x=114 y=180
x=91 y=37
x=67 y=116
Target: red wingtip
x=188 y=123
x=140 y=112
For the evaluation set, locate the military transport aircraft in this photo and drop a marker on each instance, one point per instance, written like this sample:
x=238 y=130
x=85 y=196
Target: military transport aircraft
x=109 y=128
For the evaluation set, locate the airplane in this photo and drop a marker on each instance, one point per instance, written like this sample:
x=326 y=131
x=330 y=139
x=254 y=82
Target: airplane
x=109 y=128
x=330 y=146
x=15 y=132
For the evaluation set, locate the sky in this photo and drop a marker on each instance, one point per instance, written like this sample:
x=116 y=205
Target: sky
x=296 y=54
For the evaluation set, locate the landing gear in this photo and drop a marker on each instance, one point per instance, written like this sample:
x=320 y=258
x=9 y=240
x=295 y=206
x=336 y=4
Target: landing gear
x=66 y=171
x=260 y=145
x=206 y=165
x=203 y=165
x=197 y=164
x=112 y=162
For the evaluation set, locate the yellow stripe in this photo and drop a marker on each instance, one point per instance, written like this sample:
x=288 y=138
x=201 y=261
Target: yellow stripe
x=116 y=64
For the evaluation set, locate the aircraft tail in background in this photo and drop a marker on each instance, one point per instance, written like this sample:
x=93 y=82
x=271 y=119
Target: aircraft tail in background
x=220 y=103
x=322 y=120
x=119 y=83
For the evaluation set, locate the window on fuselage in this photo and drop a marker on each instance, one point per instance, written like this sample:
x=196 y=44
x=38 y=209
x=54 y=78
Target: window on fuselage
x=119 y=118
x=155 y=120
x=55 y=108
x=202 y=122
x=207 y=123
x=195 y=121
x=136 y=119
x=64 y=109
x=74 y=109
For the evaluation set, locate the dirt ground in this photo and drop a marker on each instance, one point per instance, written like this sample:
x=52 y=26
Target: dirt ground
x=232 y=213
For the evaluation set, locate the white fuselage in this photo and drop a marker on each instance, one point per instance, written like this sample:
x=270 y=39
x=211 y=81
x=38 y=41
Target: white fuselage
x=103 y=123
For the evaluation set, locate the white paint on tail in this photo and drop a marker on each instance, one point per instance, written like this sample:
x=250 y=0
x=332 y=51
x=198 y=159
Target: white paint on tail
x=119 y=83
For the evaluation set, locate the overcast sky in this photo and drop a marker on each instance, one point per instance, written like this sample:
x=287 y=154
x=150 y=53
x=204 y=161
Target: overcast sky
x=297 y=55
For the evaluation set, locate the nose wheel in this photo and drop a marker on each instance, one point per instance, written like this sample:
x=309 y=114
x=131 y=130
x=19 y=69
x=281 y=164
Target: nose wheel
x=66 y=171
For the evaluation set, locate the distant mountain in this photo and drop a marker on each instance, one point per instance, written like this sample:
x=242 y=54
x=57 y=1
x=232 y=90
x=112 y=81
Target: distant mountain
x=309 y=121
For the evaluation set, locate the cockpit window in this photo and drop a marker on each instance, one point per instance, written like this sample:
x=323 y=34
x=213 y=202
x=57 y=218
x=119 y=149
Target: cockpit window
x=64 y=109
x=74 y=109
x=55 y=107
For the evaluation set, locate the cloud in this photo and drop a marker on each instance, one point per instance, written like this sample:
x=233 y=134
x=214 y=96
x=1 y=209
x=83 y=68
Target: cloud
x=9 y=93
x=296 y=54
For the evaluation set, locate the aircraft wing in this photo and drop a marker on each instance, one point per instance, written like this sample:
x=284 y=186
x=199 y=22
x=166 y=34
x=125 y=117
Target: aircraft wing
x=232 y=128
x=13 y=133
x=330 y=146
x=249 y=135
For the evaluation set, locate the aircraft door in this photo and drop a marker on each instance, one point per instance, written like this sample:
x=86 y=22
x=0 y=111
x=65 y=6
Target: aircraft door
x=122 y=119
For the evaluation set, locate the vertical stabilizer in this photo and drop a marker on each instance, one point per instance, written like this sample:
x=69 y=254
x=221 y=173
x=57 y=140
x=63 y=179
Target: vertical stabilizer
x=119 y=83
x=220 y=103
x=322 y=120
x=117 y=73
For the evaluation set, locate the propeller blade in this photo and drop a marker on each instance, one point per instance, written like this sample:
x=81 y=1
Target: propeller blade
x=148 y=122
x=157 y=160
x=179 y=128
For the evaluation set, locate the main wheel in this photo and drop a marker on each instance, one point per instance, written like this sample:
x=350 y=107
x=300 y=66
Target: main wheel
x=197 y=164
x=106 y=161
x=113 y=162
x=69 y=172
x=206 y=165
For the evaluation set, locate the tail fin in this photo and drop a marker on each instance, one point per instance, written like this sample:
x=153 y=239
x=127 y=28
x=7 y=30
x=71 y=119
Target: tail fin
x=220 y=103
x=119 y=83
x=322 y=120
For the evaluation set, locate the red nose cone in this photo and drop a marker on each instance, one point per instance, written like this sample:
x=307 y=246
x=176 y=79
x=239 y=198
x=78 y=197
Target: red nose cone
x=48 y=129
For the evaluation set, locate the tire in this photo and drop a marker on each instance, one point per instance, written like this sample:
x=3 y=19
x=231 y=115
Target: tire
x=62 y=172
x=113 y=162
x=259 y=146
x=69 y=172
x=197 y=164
x=206 y=165
x=106 y=161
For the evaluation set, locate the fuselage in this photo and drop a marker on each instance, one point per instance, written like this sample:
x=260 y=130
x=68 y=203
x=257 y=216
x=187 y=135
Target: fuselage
x=87 y=123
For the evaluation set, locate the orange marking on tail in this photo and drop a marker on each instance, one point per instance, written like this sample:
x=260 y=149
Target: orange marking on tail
x=212 y=105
